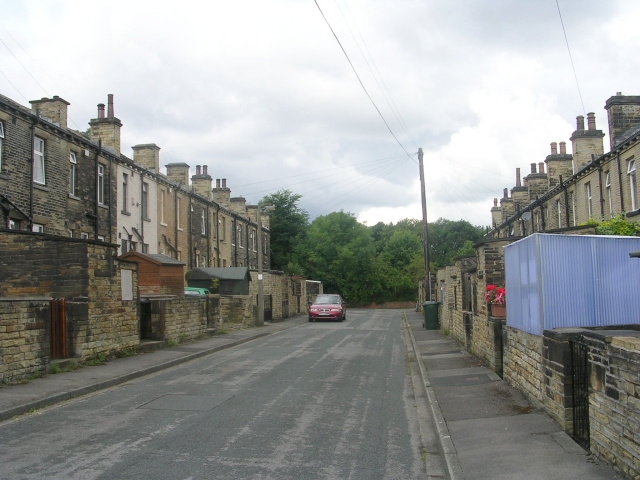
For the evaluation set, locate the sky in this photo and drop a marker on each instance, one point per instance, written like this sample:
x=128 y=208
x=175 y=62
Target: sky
x=262 y=93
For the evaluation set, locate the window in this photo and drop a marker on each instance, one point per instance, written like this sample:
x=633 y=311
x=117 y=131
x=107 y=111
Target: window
x=232 y=234
x=123 y=246
x=224 y=263
x=84 y=235
x=573 y=209
x=631 y=171
x=125 y=192
x=145 y=200
x=162 y=207
x=72 y=173
x=70 y=233
x=38 y=158
x=589 y=200
x=38 y=228
x=607 y=185
x=145 y=248
x=1 y=139
x=239 y=235
x=178 y=214
x=253 y=240
x=101 y=238
x=14 y=224
x=223 y=227
x=203 y=221
x=100 y=184
x=559 y=207
x=204 y=262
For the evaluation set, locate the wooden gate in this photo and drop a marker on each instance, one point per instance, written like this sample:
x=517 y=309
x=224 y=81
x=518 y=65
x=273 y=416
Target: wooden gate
x=58 y=322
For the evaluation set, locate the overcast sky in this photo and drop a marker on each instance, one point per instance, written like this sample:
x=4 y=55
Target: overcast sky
x=261 y=92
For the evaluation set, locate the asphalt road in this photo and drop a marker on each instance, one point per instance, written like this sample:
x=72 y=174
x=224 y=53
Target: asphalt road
x=323 y=400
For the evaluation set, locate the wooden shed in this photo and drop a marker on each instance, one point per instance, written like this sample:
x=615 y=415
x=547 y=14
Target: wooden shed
x=158 y=274
x=231 y=281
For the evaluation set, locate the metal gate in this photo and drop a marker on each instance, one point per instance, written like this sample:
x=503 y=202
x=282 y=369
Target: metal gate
x=580 y=376
x=58 y=320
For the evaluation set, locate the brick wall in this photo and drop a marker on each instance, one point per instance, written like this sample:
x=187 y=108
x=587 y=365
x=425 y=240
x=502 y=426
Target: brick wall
x=24 y=345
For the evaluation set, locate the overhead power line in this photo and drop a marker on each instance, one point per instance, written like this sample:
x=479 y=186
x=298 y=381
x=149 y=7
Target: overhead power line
x=571 y=58
x=362 y=84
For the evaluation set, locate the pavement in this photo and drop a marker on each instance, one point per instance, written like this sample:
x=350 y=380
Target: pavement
x=54 y=388
x=485 y=428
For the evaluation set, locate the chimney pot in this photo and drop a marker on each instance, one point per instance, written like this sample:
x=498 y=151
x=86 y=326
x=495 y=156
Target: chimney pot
x=204 y=168
x=518 y=184
x=541 y=167
x=505 y=193
x=197 y=169
x=618 y=94
x=224 y=183
x=579 y=122
x=495 y=202
x=110 y=113
x=554 y=148
x=217 y=183
x=101 y=110
x=563 y=148
x=591 y=120
x=533 y=168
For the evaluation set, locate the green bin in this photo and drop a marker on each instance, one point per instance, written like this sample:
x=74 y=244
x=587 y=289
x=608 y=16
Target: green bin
x=430 y=310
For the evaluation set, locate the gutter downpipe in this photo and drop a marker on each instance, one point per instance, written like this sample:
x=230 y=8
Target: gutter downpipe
x=620 y=184
x=111 y=200
x=145 y=205
x=217 y=235
x=33 y=163
x=175 y=220
x=208 y=231
x=96 y=211
x=189 y=234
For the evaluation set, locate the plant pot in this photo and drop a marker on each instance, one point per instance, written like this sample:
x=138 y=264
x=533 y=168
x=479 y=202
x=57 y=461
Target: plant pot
x=498 y=310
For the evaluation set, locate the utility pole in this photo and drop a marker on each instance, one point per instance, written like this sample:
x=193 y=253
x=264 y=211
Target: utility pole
x=425 y=232
x=261 y=209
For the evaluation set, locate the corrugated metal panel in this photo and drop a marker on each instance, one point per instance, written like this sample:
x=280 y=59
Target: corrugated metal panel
x=571 y=281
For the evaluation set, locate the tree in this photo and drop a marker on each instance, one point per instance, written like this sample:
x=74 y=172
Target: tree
x=288 y=225
x=447 y=240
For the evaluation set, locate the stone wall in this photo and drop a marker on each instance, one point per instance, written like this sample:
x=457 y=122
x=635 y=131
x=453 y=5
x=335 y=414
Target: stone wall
x=24 y=346
x=523 y=363
x=614 y=401
x=185 y=318
x=238 y=310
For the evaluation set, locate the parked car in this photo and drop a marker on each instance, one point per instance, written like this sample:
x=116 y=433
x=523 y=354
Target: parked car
x=328 y=307
x=196 y=291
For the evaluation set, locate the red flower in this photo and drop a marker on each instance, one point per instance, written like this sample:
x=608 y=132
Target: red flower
x=495 y=294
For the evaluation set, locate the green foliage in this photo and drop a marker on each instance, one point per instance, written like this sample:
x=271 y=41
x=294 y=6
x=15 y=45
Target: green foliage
x=448 y=238
x=54 y=368
x=288 y=225
x=618 y=225
x=98 y=359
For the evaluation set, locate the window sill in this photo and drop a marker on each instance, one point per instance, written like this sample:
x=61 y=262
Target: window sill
x=39 y=186
x=163 y=224
x=101 y=205
x=634 y=213
x=146 y=219
x=128 y=214
x=180 y=229
x=73 y=197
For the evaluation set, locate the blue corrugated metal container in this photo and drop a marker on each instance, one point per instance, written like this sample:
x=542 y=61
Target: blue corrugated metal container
x=572 y=281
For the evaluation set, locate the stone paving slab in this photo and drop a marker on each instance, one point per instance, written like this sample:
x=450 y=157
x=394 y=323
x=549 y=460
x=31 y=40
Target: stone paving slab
x=488 y=430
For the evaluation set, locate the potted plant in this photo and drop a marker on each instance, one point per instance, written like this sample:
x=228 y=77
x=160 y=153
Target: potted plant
x=496 y=297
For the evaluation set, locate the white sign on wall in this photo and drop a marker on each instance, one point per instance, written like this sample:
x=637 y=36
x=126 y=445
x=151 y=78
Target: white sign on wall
x=127 y=284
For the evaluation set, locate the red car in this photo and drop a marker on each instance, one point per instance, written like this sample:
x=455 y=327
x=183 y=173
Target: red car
x=328 y=307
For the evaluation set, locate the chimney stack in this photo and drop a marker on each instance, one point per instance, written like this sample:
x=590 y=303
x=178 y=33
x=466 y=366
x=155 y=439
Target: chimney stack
x=579 y=123
x=591 y=120
x=505 y=193
x=217 y=183
x=110 y=113
x=224 y=183
x=204 y=168
x=495 y=202
x=554 y=148
x=623 y=113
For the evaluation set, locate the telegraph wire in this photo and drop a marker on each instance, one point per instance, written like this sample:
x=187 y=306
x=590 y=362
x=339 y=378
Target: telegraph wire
x=387 y=96
x=16 y=88
x=362 y=84
x=25 y=68
x=571 y=58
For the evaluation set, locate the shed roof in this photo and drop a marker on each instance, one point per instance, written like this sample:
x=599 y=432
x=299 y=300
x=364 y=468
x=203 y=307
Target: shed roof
x=228 y=273
x=155 y=258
